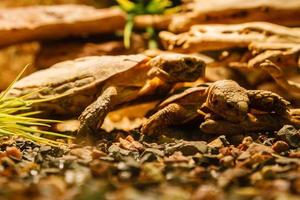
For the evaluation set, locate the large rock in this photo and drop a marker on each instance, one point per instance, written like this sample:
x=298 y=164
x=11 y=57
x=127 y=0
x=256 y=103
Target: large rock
x=52 y=22
x=284 y=12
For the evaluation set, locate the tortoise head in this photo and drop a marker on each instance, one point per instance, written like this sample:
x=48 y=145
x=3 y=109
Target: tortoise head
x=228 y=99
x=178 y=67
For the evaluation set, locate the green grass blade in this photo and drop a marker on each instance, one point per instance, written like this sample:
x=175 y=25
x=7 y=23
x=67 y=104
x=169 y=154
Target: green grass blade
x=126 y=5
x=4 y=94
x=128 y=31
x=17 y=117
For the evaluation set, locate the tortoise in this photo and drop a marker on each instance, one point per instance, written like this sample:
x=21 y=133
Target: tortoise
x=223 y=100
x=96 y=85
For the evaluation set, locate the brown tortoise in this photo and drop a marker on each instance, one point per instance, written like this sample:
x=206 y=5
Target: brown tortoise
x=93 y=86
x=225 y=106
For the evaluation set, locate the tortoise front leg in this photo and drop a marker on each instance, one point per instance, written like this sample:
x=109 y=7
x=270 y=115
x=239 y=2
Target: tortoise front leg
x=93 y=116
x=173 y=114
x=252 y=123
x=268 y=101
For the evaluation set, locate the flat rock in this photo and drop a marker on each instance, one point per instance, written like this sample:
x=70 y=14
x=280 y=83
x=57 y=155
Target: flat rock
x=237 y=11
x=53 y=22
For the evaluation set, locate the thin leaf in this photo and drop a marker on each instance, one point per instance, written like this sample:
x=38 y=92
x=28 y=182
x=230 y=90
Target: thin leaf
x=128 y=31
x=16 y=119
x=152 y=44
x=158 y=6
x=140 y=8
x=126 y=5
x=172 y=10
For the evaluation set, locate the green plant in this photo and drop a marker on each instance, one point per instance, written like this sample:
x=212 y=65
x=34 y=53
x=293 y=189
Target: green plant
x=16 y=119
x=144 y=7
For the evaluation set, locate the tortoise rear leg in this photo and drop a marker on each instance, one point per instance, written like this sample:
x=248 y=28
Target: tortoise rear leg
x=93 y=116
x=173 y=114
x=268 y=101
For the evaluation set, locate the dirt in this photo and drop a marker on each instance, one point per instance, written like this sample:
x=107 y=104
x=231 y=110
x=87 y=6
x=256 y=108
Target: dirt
x=128 y=165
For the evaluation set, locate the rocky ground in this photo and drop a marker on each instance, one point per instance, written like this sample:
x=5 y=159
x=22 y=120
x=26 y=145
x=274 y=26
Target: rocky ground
x=122 y=165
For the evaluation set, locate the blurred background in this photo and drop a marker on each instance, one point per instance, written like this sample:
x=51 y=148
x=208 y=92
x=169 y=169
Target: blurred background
x=97 y=3
x=46 y=53
x=16 y=3
x=14 y=58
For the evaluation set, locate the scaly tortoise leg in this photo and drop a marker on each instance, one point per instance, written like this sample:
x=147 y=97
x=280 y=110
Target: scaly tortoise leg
x=93 y=116
x=278 y=75
x=268 y=101
x=172 y=114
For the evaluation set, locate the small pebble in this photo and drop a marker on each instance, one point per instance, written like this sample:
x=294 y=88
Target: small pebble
x=227 y=161
x=97 y=154
x=280 y=146
x=247 y=140
x=295 y=154
x=14 y=153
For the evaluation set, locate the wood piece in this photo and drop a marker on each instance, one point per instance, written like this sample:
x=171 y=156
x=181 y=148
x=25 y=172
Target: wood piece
x=282 y=54
x=277 y=44
x=52 y=22
x=280 y=77
x=220 y=36
x=284 y=12
x=293 y=97
x=160 y=22
x=285 y=55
